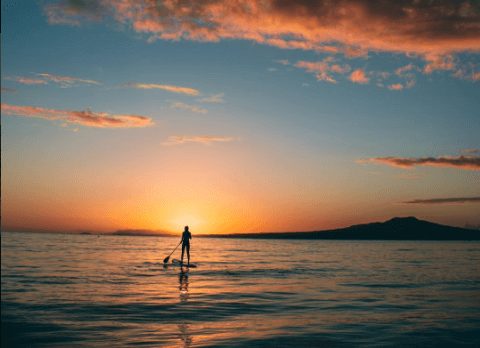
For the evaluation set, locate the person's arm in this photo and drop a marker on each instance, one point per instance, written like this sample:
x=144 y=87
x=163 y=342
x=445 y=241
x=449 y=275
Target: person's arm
x=190 y=236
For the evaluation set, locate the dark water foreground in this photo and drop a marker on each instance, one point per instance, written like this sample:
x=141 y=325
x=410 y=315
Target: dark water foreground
x=87 y=291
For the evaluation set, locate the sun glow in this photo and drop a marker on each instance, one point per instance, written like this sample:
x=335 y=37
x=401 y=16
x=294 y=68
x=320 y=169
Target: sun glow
x=191 y=219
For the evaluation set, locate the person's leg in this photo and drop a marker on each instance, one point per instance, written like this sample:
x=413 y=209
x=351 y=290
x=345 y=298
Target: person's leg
x=188 y=254
x=183 y=250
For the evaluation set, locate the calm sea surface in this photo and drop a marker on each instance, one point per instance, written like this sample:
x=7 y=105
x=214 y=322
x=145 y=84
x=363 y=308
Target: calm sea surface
x=88 y=291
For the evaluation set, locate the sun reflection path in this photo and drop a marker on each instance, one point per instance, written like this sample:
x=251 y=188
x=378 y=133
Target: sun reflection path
x=183 y=285
x=184 y=329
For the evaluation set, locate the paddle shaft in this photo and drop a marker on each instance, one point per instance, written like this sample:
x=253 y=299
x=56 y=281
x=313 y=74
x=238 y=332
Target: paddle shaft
x=168 y=257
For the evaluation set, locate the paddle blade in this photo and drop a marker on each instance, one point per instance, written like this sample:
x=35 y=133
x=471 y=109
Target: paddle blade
x=165 y=260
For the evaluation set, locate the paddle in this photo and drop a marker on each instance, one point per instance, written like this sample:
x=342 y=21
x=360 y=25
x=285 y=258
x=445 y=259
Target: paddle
x=165 y=260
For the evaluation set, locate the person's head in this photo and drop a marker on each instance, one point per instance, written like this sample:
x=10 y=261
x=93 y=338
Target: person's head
x=186 y=228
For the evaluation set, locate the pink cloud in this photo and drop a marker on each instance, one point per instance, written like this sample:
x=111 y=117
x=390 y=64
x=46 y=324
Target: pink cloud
x=352 y=27
x=169 y=88
x=323 y=69
x=84 y=118
x=200 y=139
x=439 y=62
x=29 y=81
x=396 y=87
x=359 y=76
x=45 y=78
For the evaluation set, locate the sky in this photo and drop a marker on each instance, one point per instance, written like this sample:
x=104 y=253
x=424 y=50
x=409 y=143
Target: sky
x=238 y=116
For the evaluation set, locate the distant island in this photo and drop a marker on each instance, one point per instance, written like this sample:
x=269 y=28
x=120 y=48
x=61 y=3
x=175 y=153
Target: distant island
x=398 y=228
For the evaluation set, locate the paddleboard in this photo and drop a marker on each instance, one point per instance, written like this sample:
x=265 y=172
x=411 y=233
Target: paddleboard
x=179 y=263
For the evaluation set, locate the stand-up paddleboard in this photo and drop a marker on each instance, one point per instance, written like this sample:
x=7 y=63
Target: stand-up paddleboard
x=179 y=263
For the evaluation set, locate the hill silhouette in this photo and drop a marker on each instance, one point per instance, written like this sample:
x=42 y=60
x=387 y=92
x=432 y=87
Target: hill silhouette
x=398 y=228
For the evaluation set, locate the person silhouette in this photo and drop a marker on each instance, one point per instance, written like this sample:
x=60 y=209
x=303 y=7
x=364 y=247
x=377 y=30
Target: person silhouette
x=186 y=236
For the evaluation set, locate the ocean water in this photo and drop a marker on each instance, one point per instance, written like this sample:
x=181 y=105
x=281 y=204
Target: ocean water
x=113 y=291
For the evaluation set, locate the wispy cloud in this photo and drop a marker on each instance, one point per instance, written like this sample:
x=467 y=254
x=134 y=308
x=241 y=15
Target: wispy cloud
x=214 y=99
x=438 y=62
x=8 y=90
x=283 y=61
x=467 y=72
x=324 y=69
x=401 y=71
x=28 y=80
x=45 y=78
x=188 y=107
x=168 y=88
x=73 y=12
x=200 y=139
x=86 y=118
x=396 y=87
x=66 y=81
x=359 y=76
x=454 y=200
x=468 y=162
x=470 y=151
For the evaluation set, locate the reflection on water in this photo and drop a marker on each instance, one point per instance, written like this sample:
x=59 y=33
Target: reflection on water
x=183 y=281
x=67 y=290
x=185 y=335
x=183 y=328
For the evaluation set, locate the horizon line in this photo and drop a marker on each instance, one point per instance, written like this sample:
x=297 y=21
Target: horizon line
x=138 y=232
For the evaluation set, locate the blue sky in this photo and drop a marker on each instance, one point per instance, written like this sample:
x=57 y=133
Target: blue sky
x=276 y=131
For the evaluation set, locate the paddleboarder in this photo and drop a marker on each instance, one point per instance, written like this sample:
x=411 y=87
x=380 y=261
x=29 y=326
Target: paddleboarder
x=186 y=236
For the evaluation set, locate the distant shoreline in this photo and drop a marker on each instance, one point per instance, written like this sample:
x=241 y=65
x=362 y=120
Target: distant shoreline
x=404 y=228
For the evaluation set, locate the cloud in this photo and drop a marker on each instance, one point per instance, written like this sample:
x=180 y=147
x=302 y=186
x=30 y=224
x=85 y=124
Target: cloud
x=66 y=81
x=405 y=69
x=445 y=200
x=467 y=162
x=84 y=118
x=169 y=88
x=8 y=90
x=438 y=62
x=201 y=139
x=73 y=12
x=467 y=72
x=404 y=73
x=324 y=69
x=45 y=78
x=351 y=27
x=396 y=87
x=214 y=99
x=359 y=76
x=28 y=80
x=188 y=107
x=400 y=86
x=471 y=151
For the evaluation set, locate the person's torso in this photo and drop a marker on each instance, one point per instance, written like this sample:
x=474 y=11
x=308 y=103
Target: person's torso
x=186 y=237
